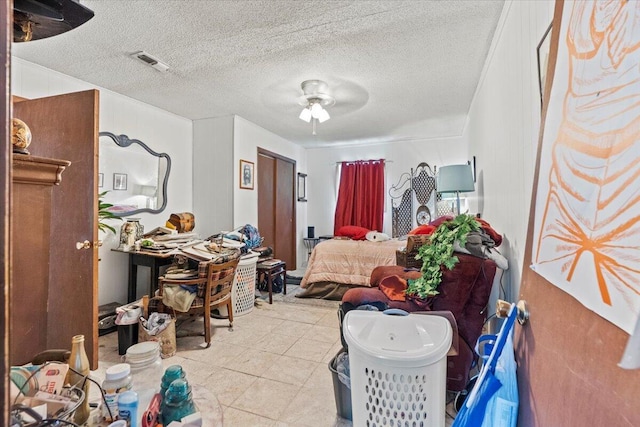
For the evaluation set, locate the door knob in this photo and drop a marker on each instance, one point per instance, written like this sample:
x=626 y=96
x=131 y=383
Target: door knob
x=88 y=245
x=83 y=245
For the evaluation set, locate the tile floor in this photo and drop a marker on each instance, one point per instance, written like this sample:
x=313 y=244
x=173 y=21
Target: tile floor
x=271 y=370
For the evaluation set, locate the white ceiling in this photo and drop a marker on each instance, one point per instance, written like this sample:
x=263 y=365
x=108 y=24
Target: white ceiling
x=399 y=70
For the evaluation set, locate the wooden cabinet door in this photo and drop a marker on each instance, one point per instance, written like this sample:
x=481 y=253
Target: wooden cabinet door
x=66 y=127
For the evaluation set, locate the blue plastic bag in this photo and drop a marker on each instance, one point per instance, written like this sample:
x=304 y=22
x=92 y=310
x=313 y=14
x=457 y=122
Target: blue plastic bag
x=493 y=401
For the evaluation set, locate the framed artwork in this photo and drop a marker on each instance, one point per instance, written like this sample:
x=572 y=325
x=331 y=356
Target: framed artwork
x=100 y=180
x=542 y=53
x=302 y=187
x=246 y=174
x=119 y=181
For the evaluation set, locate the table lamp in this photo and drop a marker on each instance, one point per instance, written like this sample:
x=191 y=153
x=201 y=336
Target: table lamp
x=455 y=179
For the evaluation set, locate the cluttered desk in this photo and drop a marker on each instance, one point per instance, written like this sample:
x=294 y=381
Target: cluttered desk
x=159 y=247
x=156 y=249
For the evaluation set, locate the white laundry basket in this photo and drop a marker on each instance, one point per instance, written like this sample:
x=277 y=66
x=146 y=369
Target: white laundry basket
x=398 y=368
x=243 y=293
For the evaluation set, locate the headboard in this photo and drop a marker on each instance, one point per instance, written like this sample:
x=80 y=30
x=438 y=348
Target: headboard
x=413 y=199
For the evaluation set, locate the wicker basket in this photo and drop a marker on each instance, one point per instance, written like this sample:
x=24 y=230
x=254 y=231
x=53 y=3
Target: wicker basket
x=243 y=294
x=408 y=259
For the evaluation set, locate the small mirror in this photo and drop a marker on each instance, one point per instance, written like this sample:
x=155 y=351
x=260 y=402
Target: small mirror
x=133 y=175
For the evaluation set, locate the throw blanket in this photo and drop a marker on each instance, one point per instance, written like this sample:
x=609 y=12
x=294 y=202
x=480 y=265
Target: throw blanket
x=348 y=262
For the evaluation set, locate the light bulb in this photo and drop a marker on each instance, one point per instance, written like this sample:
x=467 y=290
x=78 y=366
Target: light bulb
x=305 y=115
x=323 y=116
x=316 y=110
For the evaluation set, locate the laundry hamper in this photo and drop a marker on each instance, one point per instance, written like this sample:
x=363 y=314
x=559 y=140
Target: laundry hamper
x=398 y=367
x=243 y=293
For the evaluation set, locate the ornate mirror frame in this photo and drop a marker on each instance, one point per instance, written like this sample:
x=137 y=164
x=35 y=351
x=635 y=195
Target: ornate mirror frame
x=124 y=141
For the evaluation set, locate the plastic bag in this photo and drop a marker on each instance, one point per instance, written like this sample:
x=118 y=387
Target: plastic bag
x=502 y=408
x=159 y=327
x=342 y=367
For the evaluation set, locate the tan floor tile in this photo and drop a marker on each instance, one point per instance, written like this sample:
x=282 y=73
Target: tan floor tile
x=313 y=407
x=294 y=329
x=275 y=343
x=245 y=336
x=309 y=349
x=291 y=370
x=237 y=418
x=321 y=377
x=228 y=385
x=264 y=324
x=267 y=398
x=253 y=362
x=322 y=333
x=330 y=319
x=337 y=347
x=219 y=354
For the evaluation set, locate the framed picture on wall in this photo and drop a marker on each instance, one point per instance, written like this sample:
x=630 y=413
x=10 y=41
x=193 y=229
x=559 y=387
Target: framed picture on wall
x=302 y=187
x=100 y=180
x=246 y=174
x=119 y=181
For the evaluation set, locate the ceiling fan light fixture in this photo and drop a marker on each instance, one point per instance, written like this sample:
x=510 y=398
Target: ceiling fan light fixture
x=316 y=110
x=323 y=116
x=315 y=101
x=305 y=115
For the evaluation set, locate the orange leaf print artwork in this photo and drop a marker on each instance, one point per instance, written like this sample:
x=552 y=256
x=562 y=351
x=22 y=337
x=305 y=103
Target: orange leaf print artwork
x=588 y=203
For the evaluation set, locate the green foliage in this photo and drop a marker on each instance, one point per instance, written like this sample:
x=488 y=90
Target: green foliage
x=104 y=213
x=439 y=252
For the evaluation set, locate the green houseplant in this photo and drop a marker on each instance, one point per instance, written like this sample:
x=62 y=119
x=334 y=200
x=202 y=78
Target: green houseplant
x=105 y=214
x=438 y=253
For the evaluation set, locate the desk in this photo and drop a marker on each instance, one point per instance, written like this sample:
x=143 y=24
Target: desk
x=272 y=271
x=146 y=259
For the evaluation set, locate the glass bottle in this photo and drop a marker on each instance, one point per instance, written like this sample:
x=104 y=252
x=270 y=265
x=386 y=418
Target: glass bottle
x=79 y=362
x=171 y=374
x=177 y=402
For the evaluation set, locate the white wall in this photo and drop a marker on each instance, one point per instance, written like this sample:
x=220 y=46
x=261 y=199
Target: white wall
x=213 y=175
x=503 y=126
x=247 y=137
x=162 y=131
x=400 y=157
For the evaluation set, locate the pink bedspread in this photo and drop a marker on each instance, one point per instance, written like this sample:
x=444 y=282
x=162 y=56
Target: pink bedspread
x=348 y=262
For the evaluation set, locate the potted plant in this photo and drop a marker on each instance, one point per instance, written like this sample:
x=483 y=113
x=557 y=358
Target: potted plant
x=105 y=214
x=438 y=254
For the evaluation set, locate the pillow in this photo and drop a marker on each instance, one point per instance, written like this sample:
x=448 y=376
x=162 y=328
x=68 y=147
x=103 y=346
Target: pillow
x=375 y=236
x=422 y=229
x=353 y=231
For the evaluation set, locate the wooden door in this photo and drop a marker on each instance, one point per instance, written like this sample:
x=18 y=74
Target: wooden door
x=5 y=205
x=276 y=205
x=66 y=127
x=567 y=355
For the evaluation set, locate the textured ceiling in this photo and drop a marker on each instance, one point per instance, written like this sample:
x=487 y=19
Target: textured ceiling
x=399 y=70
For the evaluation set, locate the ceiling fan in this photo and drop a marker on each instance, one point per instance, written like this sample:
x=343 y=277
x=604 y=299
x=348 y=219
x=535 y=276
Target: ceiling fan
x=315 y=100
x=39 y=19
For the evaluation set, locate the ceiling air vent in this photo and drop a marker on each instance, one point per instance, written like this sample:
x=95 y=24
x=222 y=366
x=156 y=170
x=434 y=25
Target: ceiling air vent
x=151 y=61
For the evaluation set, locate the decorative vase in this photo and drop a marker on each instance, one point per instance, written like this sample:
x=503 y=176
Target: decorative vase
x=20 y=136
x=130 y=232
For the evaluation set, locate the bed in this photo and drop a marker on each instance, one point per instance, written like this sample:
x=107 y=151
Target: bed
x=336 y=265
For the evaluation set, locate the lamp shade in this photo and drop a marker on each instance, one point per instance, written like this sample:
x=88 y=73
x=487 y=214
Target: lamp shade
x=455 y=178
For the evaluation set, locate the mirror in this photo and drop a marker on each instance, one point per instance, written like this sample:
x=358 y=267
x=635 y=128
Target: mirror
x=133 y=175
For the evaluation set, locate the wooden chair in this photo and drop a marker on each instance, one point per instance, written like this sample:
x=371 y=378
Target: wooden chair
x=213 y=290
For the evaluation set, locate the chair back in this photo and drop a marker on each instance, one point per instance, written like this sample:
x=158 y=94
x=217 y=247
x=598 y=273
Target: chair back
x=219 y=280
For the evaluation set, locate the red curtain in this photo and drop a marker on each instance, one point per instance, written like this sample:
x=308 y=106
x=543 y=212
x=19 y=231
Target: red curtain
x=361 y=195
